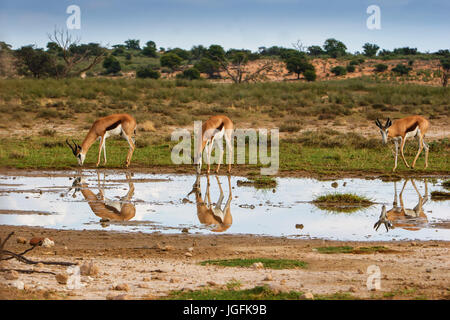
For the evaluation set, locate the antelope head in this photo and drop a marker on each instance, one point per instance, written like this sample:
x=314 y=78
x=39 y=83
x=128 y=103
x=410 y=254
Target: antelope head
x=77 y=151
x=384 y=130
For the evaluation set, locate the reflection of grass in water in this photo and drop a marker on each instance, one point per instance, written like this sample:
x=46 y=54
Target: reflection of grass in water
x=261 y=182
x=256 y=293
x=446 y=184
x=348 y=249
x=268 y=263
x=440 y=195
x=342 y=202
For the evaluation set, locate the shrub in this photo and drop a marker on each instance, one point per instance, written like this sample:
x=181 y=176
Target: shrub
x=147 y=72
x=191 y=74
x=380 y=67
x=112 y=65
x=350 y=68
x=401 y=69
x=339 y=71
x=310 y=75
x=171 y=60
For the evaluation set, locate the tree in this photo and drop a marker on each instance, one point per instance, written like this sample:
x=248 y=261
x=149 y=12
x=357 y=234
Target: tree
x=183 y=54
x=310 y=75
x=298 y=64
x=132 y=44
x=147 y=72
x=35 y=62
x=370 y=50
x=171 y=60
x=7 y=60
x=405 y=51
x=215 y=52
x=84 y=56
x=445 y=64
x=208 y=66
x=197 y=52
x=150 y=49
x=112 y=65
x=315 y=51
x=334 y=48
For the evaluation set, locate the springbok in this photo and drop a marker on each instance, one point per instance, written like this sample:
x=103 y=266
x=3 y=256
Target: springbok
x=107 y=209
x=400 y=130
x=115 y=124
x=209 y=214
x=213 y=129
x=401 y=217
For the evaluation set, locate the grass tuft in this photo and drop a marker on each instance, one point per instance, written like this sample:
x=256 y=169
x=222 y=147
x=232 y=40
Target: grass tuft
x=268 y=263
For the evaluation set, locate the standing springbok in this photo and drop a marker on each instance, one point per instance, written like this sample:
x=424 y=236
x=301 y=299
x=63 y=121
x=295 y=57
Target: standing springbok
x=115 y=124
x=400 y=130
x=215 y=128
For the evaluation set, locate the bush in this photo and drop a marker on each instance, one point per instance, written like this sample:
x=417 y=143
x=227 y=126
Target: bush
x=112 y=65
x=339 y=71
x=310 y=75
x=401 y=69
x=171 y=60
x=380 y=67
x=298 y=64
x=191 y=74
x=208 y=66
x=350 y=68
x=147 y=72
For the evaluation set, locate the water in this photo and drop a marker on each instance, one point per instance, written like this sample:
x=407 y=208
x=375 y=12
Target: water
x=159 y=203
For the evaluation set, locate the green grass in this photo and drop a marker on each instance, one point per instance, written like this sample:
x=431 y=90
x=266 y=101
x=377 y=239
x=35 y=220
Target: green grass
x=260 y=182
x=440 y=195
x=342 y=202
x=51 y=152
x=268 y=263
x=256 y=293
x=348 y=249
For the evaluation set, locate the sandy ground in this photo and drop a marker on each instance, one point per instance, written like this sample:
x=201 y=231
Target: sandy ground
x=154 y=264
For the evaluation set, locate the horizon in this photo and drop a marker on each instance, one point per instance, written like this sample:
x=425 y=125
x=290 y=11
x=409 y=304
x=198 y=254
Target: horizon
x=244 y=24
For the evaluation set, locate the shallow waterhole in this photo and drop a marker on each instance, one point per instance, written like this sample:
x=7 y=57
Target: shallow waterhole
x=142 y=202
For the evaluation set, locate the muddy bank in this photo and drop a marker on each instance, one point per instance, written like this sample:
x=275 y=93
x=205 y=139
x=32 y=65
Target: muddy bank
x=152 y=265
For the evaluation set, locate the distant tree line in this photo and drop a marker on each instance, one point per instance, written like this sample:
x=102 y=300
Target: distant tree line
x=67 y=57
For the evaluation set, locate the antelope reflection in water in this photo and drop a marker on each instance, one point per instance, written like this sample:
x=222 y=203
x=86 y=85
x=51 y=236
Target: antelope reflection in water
x=401 y=217
x=212 y=214
x=107 y=209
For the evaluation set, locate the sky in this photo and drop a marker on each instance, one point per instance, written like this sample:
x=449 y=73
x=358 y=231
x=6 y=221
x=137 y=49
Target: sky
x=239 y=24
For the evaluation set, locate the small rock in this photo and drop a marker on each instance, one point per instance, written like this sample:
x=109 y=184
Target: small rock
x=173 y=280
x=299 y=226
x=307 y=295
x=12 y=275
x=188 y=254
x=168 y=248
x=146 y=279
x=268 y=277
x=185 y=230
x=122 y=287
x=36 y=241
x=62 y=278
x=413 y=244
x=143 y=286
x=428 y=270
x=47 y=243
x=21 y=240
x=334 y=184
x=352 y=289
x=360 y=271
x=276 y=289
x=18 y=285
x=211 y=283
x=89 y=269
x=258 y=265
x=190 y=249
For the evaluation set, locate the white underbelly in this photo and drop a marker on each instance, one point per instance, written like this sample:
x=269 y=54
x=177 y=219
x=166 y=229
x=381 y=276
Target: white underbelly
x=114 y=132
x=412 y=133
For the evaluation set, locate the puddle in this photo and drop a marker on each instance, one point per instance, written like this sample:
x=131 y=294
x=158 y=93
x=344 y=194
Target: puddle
x=160 y=203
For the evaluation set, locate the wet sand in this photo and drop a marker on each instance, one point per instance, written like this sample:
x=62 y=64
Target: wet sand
x=154 y=264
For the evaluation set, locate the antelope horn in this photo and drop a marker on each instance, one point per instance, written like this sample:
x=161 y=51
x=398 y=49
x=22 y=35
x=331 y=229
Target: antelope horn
x=70 y=146
x=378 y=123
